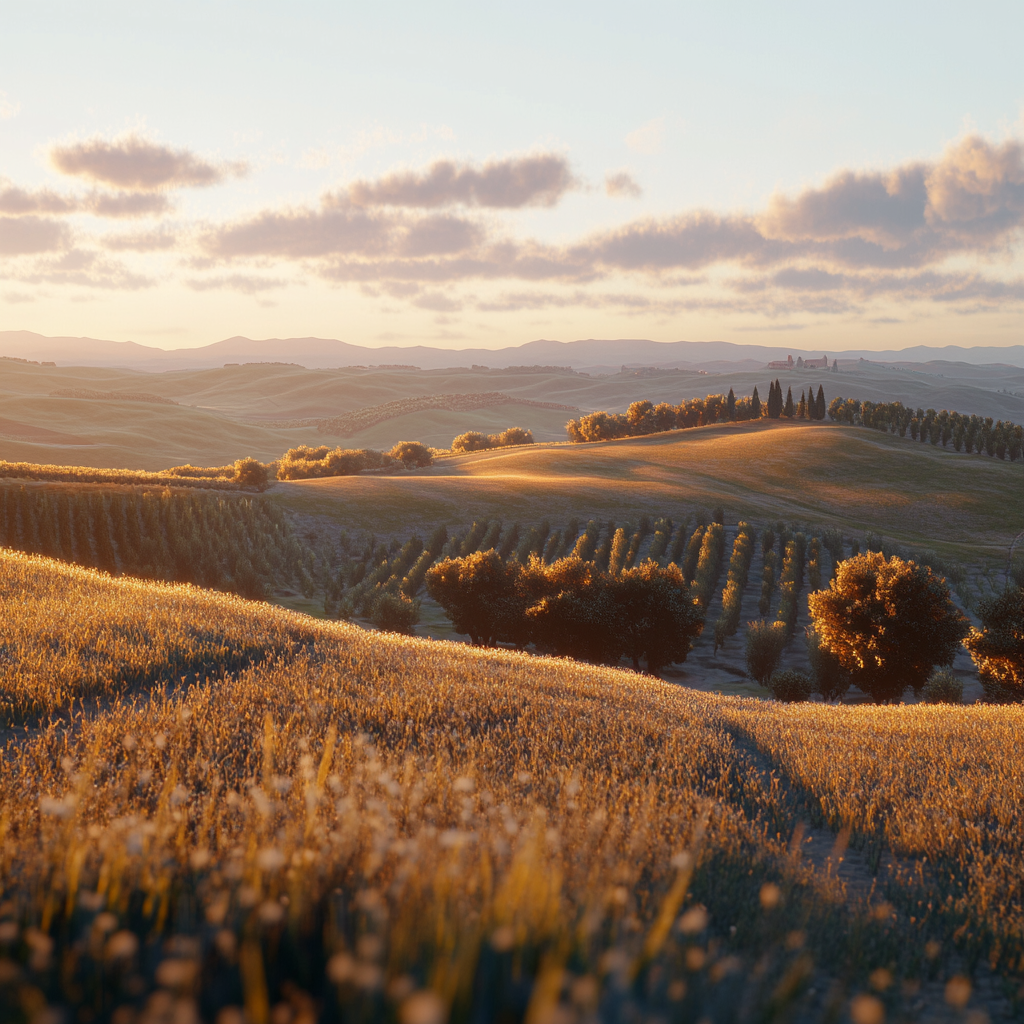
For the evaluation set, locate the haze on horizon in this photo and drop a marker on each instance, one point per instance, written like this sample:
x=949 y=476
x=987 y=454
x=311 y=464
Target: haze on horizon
x=449 y=175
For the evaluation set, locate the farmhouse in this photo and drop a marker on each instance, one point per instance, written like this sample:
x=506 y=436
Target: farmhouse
x=800 y=364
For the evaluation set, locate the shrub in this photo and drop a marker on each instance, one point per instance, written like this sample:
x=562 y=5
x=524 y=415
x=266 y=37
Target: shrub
x=709 y=563
x=790 y=686
x=474 y=441
x=305 y=463
x=251 y=473
x=889 y=622
x=395 y=613
x=943 y=688
x=732 y=596
x=765 y=641
x=471 y=441
x=998 y=647
x=412 y=453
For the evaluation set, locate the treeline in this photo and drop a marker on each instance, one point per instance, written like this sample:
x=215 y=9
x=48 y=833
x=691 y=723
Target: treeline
x=306 y=462
x=217 y=477
x=571 y=607
x=237 y=544
x=1002 y=439
x=645 y=417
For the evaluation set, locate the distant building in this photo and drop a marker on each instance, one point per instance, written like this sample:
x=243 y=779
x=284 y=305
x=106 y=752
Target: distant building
x=810 y=364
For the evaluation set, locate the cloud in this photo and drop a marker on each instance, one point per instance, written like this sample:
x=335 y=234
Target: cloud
x=892 y=235
x=649 y=138
x=8 y=108
x=24 y=236
x=142 y=241
x=970 y=199
x=691 y=240
x=343 y=230
x=301 y=234
x=884 y=209
x=127 y=204
x=622 y=184
x=86 y=269
x=539 y=180
x=137 y=165
x=440 y=235
x=977 y=189
x=18 y=202
x=18 y=297
x=236 y=282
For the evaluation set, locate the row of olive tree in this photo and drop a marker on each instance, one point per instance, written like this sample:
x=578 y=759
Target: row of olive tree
x=570 y=607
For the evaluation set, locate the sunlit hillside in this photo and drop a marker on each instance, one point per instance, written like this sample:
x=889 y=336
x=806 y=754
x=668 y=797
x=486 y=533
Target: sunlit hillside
x=228 y=413
x=819 y=473
x=368 y=822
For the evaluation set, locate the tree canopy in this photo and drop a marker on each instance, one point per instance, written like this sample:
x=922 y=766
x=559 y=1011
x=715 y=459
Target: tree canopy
x=888 y=621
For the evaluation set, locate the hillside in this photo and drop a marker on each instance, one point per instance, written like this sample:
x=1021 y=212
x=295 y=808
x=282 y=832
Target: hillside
x=800 y=472
x=475 y=824
x=227 y=413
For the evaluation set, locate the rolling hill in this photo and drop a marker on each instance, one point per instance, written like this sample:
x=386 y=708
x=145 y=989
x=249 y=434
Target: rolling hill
x=224 y=414
x=816 y=473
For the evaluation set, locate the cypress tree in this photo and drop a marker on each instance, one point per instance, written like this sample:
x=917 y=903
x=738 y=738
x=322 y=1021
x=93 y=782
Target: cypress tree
x=730 y=405
x=801 y=409
x=755 y=404
x=821 y=409
x=789 y=408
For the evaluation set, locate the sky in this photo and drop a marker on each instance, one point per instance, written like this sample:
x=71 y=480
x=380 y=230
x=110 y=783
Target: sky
x=480 y=174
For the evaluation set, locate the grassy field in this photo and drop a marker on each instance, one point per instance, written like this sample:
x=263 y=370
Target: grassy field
x=359 y=826
x=816 y=473
x=222 y=414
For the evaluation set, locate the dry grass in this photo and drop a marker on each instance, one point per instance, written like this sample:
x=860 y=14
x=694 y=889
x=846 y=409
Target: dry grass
x=815 y=473
x=361 y=824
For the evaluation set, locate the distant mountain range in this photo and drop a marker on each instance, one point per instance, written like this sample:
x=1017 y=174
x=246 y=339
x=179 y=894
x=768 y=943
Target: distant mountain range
x=592 y=355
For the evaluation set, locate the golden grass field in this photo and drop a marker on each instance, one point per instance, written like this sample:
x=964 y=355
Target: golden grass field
x=823 y=474
x=360 y=826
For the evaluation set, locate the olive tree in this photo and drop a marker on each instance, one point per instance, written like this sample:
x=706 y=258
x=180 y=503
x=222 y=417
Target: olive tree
x=889 y=622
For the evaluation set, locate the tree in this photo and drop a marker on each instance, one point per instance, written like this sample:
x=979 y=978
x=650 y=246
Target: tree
x=471 y=441
x=412 y=453
x=819 y=412
x=655 y=617
x=730 y=405
x=801 y=409
x=998 y=647
x=889 y=622
x=755 y=405
x=774 y=400
x=789 y=408
x=478 y=593
x=251 y=472
x=765 y=641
